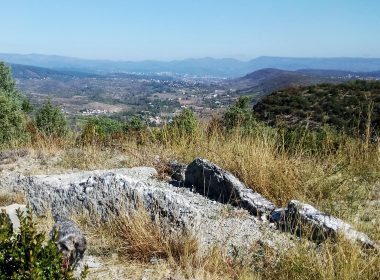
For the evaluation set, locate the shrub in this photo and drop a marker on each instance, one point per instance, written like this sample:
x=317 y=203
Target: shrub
x=101 y=128
x=349 y=107
x=318 y=141
x=135 y=124
x=51 y=120
x=240 y=115
x=7 y=84
x=25 y=256
x=185 y=123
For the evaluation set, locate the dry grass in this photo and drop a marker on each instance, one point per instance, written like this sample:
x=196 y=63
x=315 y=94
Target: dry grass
x=328 y=261
x=338 y=180
x=343 y=180
x=7 y=198
x=137 y=239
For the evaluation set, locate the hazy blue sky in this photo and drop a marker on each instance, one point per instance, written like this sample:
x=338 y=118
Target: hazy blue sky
x=176 y=29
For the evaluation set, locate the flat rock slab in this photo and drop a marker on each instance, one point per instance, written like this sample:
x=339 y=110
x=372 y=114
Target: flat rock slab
x=99 y=193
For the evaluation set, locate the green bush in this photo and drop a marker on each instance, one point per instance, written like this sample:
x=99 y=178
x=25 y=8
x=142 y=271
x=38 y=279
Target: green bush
x=7 y=84
x=51 y=120
x=185 y=123
x=8 y=89
x=26 y=255
x=351 y=107
x=240 y=115
x=135 y=124
x=310 y=141
x=101 y=128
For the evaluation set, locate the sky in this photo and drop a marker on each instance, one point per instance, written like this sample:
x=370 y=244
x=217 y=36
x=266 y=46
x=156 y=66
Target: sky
x=179 y=29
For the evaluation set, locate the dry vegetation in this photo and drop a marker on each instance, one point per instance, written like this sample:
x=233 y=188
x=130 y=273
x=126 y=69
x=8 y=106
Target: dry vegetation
x=343 y=181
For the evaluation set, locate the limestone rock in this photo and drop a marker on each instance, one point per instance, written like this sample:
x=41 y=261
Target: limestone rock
x=100 y=194
x=213 y=182
x=299 y=215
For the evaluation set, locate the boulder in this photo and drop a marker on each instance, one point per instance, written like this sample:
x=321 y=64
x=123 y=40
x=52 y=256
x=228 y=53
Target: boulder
x=213 y=182
x=104 y=194
x=299 y=217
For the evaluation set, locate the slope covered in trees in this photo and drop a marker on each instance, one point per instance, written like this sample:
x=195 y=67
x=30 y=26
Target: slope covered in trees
x=353 y=107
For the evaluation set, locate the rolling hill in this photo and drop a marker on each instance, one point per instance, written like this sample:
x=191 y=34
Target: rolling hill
x=264 y=81
x=348 y=106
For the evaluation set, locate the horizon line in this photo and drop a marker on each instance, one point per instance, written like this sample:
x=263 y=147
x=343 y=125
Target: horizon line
x=188 y=58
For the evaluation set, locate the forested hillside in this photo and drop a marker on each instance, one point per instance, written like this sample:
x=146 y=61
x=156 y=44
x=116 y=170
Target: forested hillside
x=353 y=106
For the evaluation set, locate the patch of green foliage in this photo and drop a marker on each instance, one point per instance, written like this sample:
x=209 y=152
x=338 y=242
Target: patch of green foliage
x=288 y=138
x=185 y=123
x=101 y=129
x=310 y=141
x=26 y=255
x=51 y=120
x=240 y=115
x=135 y=124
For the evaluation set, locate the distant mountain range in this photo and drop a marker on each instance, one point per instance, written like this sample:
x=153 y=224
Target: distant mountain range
x=258 y=83
x=200 y=67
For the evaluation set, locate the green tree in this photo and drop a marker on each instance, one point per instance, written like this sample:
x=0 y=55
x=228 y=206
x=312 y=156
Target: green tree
x=8 y=87
x=135 y=124
x=12 y=116
x=7 y=84
x=51 y=120
x=12 y=121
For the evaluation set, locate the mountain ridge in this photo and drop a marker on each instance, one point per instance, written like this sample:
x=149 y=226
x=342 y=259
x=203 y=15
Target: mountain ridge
x=207 y=66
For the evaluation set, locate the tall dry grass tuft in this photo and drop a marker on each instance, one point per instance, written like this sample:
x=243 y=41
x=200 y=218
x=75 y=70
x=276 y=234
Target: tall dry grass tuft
x=136 y=238
x=142 y=239
x=340 y=260
x=7 y=198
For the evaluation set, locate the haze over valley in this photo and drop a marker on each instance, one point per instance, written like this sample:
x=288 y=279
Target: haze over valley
x=158 y=90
